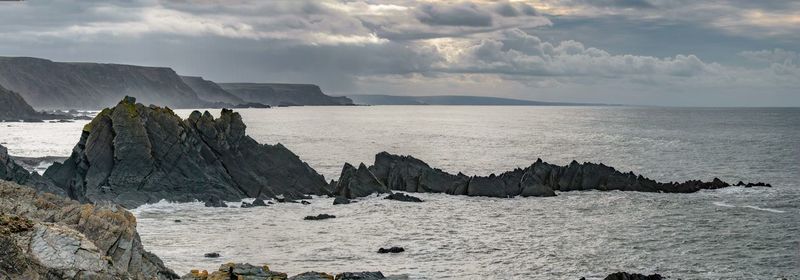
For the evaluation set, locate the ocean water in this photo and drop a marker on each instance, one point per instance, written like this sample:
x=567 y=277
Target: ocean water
x=734 y=233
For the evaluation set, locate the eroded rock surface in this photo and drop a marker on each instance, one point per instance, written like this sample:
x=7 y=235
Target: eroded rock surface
x=134 y=154
x=44 y=236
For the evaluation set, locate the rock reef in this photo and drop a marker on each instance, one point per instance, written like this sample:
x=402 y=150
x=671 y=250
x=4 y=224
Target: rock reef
x=44 y=236
x=408 y=174
x=252 y=272
x=133 y=154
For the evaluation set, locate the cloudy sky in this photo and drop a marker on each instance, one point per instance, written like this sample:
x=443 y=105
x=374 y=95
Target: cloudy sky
x=654 y=52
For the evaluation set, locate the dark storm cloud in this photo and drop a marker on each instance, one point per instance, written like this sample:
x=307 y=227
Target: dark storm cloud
x=501 y=48
x=461 y=14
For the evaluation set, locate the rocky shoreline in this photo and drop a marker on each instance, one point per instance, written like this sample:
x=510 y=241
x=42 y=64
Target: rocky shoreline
x=134 y=154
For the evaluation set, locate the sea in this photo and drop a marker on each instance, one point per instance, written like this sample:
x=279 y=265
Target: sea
x=732 y=233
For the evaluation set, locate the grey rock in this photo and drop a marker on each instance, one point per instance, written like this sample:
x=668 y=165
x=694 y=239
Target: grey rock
x=340 y=200
x=68 y=240
x=402 y=197
x=319 y=217
x=393 y=250
x=215 y=202
x=632 y=276
x=366 y=275
x=211 y=255
x=242 y=271
x=405 y=173
x=134 y=154
x=312 y=275
x=358 y=182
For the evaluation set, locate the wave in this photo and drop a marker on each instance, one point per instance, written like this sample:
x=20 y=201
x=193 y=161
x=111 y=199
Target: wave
x=763 y=209
x=723 y=204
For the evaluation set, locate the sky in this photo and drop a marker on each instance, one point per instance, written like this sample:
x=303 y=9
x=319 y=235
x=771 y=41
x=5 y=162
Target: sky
x=648 y=52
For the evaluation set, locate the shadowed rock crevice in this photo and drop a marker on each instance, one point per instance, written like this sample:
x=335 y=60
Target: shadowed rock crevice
x=405 y=173
x=134 y=154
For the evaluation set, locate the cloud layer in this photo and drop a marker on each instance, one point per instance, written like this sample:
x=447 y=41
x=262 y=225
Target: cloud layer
x=615 y=51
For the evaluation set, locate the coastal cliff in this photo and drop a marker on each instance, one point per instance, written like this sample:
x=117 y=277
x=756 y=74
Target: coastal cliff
x=14 y=108
x=405 y=173
x=210 y=91
x=46 y=84
x=133 y=154
x=284 y=94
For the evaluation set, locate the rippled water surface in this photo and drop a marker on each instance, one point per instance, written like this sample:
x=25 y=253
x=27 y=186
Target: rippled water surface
x=734 y=233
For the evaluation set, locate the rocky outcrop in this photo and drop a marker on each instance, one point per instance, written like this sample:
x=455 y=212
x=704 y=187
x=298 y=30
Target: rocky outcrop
x=283 y=94
x=52 y=85
x=319 y=217
x=632 y=276
x=402 y=197
x=210 y=91
x=14 y=108
x=44 y=236
x=358 y=182
x=11 y=171
x=248 y=271
x=405 y=173
x=134 y=154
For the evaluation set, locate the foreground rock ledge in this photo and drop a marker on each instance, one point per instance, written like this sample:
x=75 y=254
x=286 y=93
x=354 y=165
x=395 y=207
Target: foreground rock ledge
x=134 y=154
x=44 y=236
x=405 y=173
x=252 y=272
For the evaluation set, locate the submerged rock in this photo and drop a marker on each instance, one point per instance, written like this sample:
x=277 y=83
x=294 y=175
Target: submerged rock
x=66 y=240
x=312 y=275
x=632 y=276
x=319 y=217
x=392 y=250
x=134 y=154
x=402 y=197
x=405 y=173
x=340 y=200
x=211 y=255
x=366 y=275
x=215 y=202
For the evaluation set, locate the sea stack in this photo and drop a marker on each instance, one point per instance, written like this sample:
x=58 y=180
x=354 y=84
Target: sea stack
x=134 y=154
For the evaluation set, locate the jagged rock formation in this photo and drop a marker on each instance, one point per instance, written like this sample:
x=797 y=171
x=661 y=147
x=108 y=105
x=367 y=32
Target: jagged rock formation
x=52 y=85
x=44 y=236
x=133 y=154
x=405 y=173
x=11 y=171
x=210 y=91
x=358 y=182
x=283 y=94
x=14 y=108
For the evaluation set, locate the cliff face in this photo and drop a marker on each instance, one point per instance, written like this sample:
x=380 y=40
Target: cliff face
x=132 y=154
x=44 y=236
x=405 y=173
x=210 y=91
x=283 y=94
x=51 y=85
x=14 y=108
